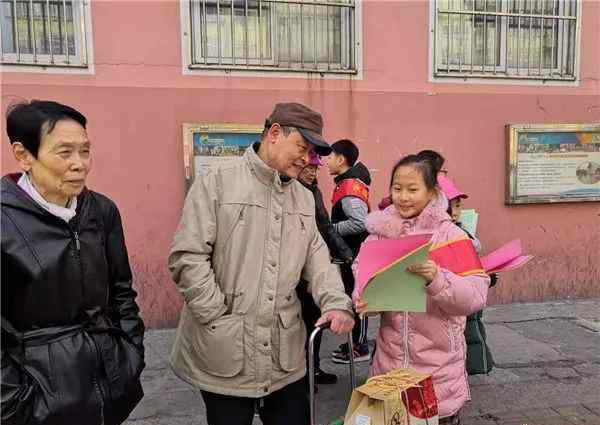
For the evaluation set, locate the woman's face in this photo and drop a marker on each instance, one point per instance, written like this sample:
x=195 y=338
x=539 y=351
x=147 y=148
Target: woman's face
x=410 y=194
x=308 y=175
x=63 y=162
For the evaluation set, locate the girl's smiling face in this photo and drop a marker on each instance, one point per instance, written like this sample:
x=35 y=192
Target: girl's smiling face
x=410 y=194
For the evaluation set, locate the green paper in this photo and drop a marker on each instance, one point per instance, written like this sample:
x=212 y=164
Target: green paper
x=395 y=289
x=468 y=219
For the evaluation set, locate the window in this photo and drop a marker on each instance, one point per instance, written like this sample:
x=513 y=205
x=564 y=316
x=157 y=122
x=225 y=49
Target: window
x=522 y=39
x=44 y=33
x=282 y=35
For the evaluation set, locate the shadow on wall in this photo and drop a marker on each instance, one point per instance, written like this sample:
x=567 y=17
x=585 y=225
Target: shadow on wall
x=559 y=272
x=158 y=298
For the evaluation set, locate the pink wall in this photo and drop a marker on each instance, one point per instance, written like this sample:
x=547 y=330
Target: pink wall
x=138 y=98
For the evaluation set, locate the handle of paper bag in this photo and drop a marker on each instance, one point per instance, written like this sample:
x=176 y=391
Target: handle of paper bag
x=311 y=367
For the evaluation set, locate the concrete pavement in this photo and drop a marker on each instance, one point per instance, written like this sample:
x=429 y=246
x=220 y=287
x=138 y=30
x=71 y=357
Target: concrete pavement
x=547 y=372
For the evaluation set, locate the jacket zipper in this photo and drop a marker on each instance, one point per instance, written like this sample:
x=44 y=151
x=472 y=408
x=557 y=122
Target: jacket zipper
x=77 y=244
x=77 y=254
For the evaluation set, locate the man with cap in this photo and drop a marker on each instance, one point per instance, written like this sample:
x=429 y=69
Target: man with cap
x=247 y=235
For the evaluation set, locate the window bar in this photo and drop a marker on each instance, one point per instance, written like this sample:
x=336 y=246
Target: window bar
x=519 y=38
x=327 y=39
x=49 y=31
x=260 y=33
x=462 y=39
x=560 y=25
x=565 y=46
x=66 y=31
x=572 y=34
x=495 y=35
x=301 y=36
x=472 y=35
x=289 y=28
x=569 y=48
x=436 y=35
x=204 y=34
x=352 y=27
x=232 y=33
x=32 y=37
x=529 y=44
x=315 y=35
x=84 y=55
x=554 y=22
x=192 y=32
x=541 y=38
x=449 y=41
x=1 y=45
x=246 y=42
x=484 y=59
x=16 y=24
x=219 y=31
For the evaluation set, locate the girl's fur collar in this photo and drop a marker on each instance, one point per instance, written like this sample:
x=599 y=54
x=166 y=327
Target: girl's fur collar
x=390 y=225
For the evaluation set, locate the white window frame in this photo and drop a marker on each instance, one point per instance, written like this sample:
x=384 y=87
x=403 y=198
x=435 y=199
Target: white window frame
x=519 y=79
x=79 y=63
x=276 y=72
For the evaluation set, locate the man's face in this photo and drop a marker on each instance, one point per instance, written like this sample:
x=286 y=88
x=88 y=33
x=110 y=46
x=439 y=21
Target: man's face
x=308 y=175
x=289 y=153
x=335 y=162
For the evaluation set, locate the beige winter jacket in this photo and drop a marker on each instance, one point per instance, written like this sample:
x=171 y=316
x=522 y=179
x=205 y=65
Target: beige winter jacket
x=244 y=241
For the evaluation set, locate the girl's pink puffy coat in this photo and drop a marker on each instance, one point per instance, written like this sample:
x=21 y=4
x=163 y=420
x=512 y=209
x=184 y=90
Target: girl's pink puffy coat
x=431 y=342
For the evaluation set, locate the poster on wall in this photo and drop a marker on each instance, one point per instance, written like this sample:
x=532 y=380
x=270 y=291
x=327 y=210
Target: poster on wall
x=553 y=163
x=206 y=144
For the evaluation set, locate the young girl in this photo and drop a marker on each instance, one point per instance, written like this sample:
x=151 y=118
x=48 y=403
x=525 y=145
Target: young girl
x=430 y=342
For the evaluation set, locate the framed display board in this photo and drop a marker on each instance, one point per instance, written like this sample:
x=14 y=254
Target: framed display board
x=205 y=144
x=553 y=163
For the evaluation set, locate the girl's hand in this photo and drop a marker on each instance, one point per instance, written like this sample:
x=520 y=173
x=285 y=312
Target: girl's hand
x=361 y=306
x=429 y=269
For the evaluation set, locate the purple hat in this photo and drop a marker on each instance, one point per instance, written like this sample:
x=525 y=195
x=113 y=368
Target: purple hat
x=314 y=159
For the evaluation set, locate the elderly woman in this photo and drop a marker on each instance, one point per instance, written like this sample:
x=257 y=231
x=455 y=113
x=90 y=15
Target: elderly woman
x=72 y=348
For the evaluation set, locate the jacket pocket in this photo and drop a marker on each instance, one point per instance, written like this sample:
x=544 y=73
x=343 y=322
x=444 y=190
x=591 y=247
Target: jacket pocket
x=123 y=364
x=292 y=338
x=135 y=359
x=61 y=374
x=219 y=346
x=20 y=393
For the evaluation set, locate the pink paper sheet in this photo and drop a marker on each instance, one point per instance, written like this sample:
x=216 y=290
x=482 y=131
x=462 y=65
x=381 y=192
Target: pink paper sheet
x=375 y=255
x=514 y=264
x=508 y=257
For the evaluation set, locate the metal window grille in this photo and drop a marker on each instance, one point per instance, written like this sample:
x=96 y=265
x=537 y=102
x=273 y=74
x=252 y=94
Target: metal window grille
x=43 y=33
x=522 y=39
x=278 y=35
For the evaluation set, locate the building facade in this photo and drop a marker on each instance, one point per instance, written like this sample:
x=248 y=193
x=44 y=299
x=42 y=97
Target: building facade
x=394 y=76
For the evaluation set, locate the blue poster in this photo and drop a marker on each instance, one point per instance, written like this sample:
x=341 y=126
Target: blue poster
x=223 y=144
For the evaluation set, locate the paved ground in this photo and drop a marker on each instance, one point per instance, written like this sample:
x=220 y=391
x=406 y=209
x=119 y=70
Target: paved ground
x=548 y=372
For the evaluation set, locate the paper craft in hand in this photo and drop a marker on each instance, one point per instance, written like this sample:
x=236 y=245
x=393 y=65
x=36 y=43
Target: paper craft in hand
x=382 y=279
x=508 y=257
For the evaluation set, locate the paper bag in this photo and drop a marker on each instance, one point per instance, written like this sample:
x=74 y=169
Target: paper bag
x=401 y=397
